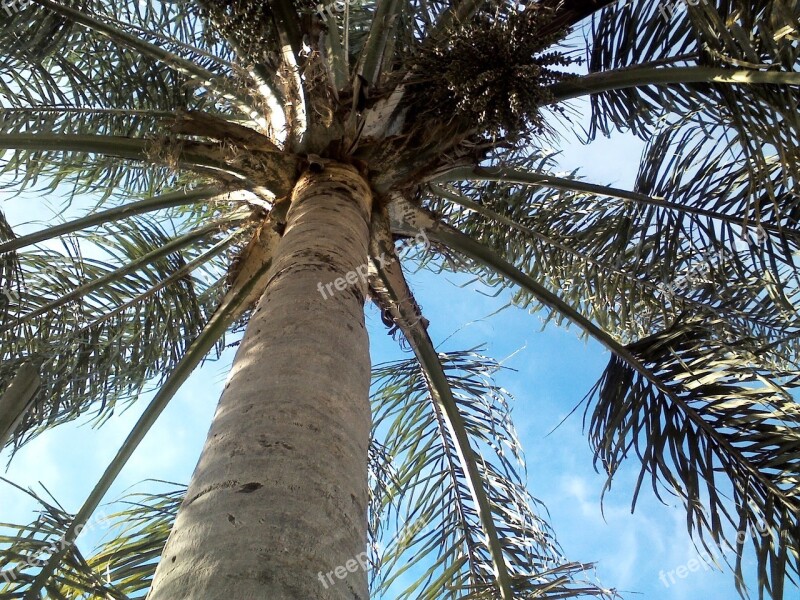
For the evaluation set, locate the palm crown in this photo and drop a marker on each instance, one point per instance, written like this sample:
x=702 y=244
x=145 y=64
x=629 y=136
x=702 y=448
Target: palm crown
x=203 y=114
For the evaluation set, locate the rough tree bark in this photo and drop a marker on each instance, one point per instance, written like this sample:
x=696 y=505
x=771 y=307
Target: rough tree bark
x=278 y=499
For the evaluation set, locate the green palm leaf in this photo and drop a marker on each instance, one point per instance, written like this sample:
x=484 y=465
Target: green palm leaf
x=26 y=547
x=188 y=124
x=720 y=417
x=101 y=310
x=128 y=560
x=433 y=519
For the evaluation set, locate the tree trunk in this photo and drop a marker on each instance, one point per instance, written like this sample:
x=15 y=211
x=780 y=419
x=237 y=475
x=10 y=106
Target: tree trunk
x=277 y=504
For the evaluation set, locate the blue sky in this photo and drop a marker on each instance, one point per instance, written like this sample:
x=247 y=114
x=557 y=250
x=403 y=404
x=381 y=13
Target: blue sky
x=552 y=371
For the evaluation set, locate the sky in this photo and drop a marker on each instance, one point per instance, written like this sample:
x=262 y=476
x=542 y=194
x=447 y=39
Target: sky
x=550 y=371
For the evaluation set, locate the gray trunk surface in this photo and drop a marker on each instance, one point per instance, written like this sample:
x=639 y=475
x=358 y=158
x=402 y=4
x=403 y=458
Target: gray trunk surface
x=276 y=507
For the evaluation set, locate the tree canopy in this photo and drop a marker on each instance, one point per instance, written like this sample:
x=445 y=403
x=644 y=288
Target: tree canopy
x=188 y=122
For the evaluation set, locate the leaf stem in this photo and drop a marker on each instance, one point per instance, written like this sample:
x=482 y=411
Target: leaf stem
x=618 y=79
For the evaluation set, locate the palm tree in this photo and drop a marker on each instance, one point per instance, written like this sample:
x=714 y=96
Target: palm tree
x=253 y=167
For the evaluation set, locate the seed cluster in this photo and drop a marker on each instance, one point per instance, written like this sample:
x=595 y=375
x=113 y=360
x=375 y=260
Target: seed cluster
x=247 y=23
x=492 y=72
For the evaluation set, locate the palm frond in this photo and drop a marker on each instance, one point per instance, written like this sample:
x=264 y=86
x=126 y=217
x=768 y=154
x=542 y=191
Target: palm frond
x=94 y=73
x=128 y=561
x=634 y=264
x=644 y=33
x=395 y=299
x=93 y=164
x=429 y=516
x=196 y=75
x=120 y=569
x=60 y=158
x=202 y=344
x=755 y=127
x=709 y=404
x=16 y=400
x=26 y=547
x=104 y=308
x=10 y=272
x=209 y=195
x=722 y=431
